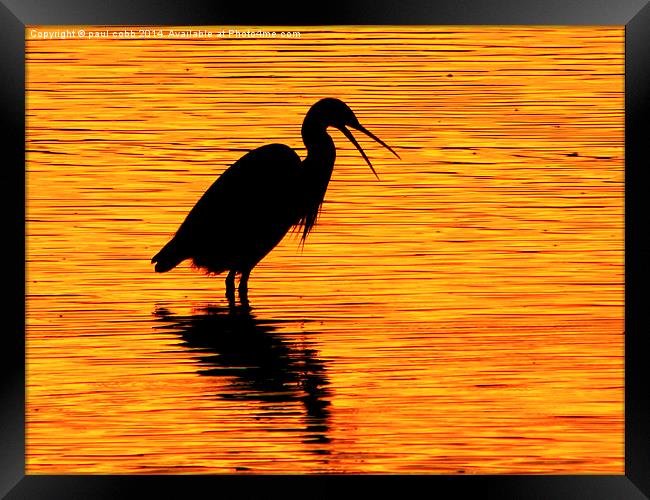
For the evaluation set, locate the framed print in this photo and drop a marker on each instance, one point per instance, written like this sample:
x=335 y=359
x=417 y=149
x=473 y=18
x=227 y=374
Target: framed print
x=365 y=248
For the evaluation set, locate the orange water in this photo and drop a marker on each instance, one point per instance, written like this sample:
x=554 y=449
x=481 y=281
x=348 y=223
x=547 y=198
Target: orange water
x=462 y=315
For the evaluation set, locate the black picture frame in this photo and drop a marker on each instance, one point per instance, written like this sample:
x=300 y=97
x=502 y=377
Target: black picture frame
x=15 y=15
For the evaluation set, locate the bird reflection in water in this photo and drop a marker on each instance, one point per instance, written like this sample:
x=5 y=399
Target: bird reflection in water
x=261 y=363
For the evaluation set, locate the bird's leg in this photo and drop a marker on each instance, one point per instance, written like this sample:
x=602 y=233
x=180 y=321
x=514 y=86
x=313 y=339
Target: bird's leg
x=230 y=287
x=243 y=286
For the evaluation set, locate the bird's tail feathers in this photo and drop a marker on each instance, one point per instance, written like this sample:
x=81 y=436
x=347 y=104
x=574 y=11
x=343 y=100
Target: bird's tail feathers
x=168 y=258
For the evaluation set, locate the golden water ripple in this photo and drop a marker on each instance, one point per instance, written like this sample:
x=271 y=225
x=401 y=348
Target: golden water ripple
x=462 y=315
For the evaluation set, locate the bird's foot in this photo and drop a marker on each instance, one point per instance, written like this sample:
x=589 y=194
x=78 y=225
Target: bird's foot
x=230 y=287
x=243 y=288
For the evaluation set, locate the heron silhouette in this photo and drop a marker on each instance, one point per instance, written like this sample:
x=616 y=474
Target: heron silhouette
x=247 y=211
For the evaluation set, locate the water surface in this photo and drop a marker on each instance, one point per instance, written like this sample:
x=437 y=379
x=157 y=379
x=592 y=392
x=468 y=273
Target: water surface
x=464 y=314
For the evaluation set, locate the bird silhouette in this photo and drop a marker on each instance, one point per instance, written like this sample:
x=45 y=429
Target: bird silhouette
x=258 y=199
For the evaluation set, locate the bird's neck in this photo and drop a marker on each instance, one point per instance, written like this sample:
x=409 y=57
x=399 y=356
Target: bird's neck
x=320 y=146
x=321 y=153
x=317 y=170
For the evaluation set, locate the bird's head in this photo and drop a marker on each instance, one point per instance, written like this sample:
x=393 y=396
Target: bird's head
x=331 y=112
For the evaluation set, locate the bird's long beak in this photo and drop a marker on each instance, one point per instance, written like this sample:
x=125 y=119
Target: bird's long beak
x=351 y=138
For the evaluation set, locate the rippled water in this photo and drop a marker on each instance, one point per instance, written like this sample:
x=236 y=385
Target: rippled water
x=462 y=315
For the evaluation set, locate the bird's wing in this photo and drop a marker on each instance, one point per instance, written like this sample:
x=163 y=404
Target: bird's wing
x=256 y=191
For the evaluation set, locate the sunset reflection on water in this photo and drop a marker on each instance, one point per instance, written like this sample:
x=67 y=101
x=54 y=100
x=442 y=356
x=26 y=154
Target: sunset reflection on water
x=464 y=314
